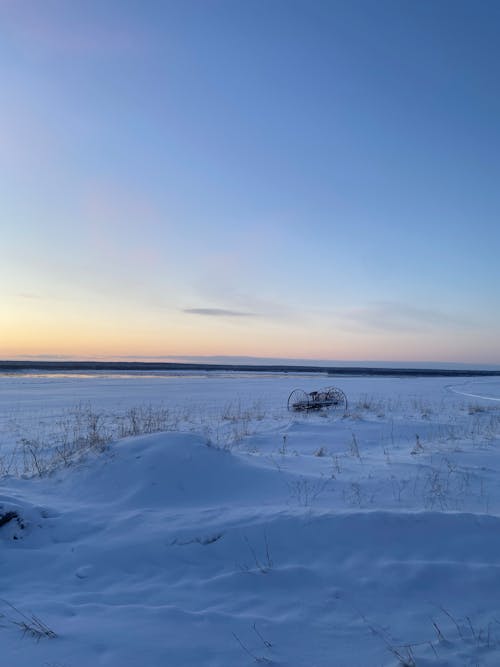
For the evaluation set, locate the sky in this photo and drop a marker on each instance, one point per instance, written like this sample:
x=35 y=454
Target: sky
x=267 y=178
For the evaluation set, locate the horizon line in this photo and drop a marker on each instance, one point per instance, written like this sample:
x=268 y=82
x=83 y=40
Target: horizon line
x=356 y=368
x=244 y=360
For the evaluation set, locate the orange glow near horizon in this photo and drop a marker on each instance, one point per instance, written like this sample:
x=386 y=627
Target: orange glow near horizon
x=77 y=340
x=89 y=329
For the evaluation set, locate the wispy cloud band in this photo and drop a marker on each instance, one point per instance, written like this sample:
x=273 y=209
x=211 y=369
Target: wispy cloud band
x=218 y=312
x=393 y=316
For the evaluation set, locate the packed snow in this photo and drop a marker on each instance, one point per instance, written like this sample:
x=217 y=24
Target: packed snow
x=191 y=520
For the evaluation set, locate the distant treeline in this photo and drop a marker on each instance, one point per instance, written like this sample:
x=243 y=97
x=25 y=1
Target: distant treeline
x=141 y=366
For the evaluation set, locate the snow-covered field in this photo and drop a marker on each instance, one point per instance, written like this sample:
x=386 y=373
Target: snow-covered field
x=243 y=534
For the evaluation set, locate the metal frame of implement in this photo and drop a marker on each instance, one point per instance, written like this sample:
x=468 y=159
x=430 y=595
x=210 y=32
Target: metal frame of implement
x=330 y=397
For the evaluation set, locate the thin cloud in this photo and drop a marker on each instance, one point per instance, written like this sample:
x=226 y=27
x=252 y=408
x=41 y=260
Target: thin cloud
x=218 y=312
x=392 y=316
x=29 y=295
x=218 y=288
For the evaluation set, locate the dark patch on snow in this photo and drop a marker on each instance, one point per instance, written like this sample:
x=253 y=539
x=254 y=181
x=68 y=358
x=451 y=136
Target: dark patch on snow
x=8 y=516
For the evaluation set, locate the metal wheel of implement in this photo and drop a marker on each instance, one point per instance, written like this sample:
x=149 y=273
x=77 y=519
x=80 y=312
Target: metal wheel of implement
x=298 y=400
x=337 y=399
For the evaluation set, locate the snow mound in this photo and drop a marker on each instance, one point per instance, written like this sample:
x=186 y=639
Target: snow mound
x=171 y=470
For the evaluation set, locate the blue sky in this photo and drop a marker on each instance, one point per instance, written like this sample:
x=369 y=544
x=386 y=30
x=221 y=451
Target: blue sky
x=282 y=179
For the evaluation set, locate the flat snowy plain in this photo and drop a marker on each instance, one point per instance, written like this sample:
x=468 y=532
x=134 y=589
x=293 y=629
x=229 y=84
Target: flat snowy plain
x=242 y=534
